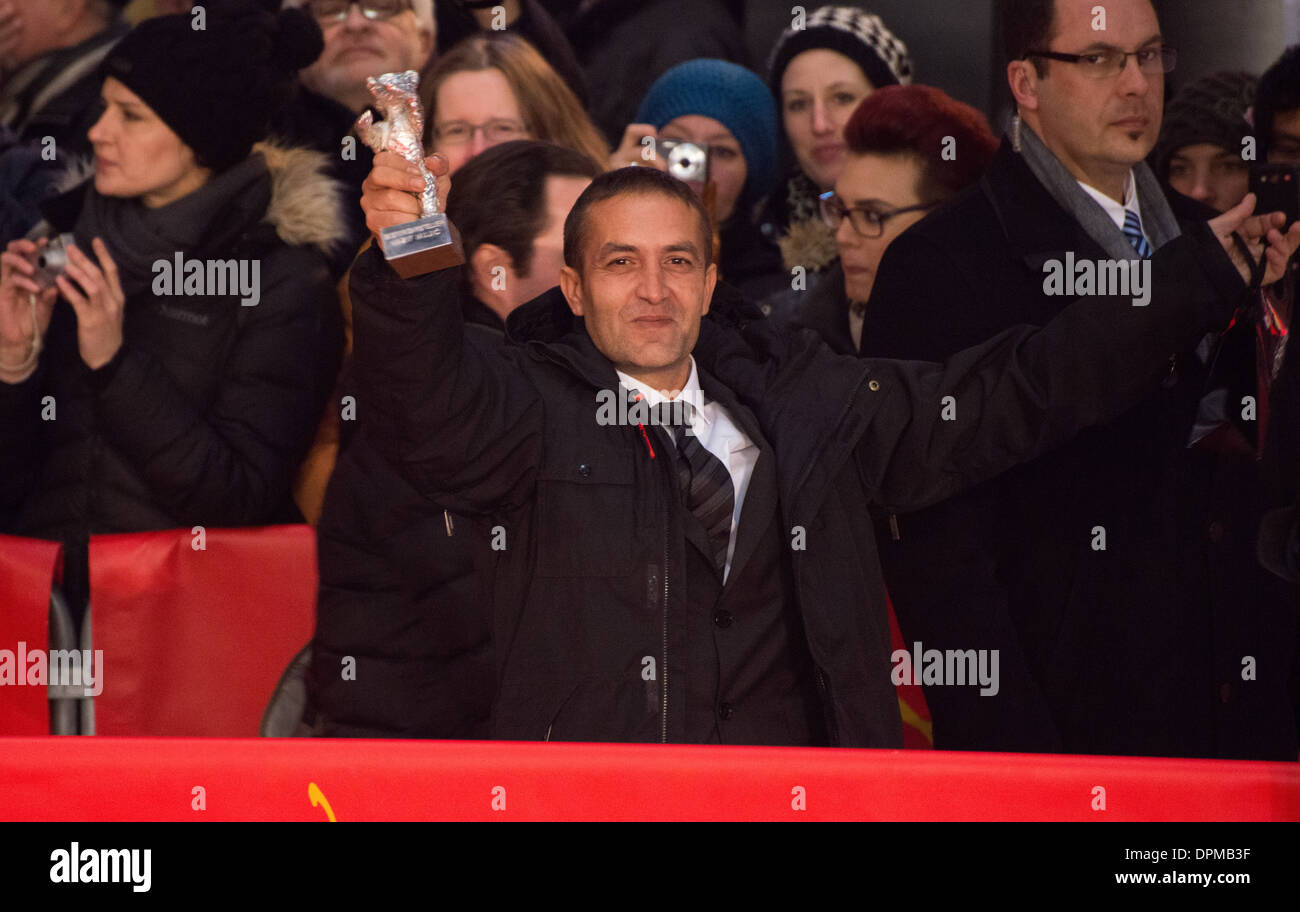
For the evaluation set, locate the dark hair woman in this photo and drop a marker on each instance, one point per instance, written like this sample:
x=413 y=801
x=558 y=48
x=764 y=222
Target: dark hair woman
x=184 y=346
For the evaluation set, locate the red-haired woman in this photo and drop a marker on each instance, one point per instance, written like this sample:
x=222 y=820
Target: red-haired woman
x=910 y=148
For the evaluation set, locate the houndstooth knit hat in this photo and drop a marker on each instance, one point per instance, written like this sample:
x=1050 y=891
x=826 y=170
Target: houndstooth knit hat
x=860 y=36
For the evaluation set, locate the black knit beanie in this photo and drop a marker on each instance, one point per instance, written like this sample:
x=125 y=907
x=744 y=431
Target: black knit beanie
x=1211 y=110
x=218 y=88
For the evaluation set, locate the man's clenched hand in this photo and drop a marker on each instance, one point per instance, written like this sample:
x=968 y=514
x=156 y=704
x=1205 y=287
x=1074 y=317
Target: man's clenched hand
x=390 y=193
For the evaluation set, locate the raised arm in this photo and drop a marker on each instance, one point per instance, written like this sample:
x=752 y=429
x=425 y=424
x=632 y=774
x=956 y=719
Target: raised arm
x=922 y=431
x=461 y=423
x=941 y=428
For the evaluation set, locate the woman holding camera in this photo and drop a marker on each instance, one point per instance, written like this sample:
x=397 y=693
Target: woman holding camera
x=172 y=373
x=726 y=111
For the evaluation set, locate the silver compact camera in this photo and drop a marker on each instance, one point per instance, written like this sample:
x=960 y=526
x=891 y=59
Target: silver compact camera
x=687 y=161
x=51 y=260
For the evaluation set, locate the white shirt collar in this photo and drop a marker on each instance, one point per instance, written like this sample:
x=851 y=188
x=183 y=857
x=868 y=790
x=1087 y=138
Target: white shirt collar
x=691 y=392
x=1115 y=209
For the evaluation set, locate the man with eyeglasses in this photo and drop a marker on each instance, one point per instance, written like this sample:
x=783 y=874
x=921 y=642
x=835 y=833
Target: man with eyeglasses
x=1117 y=577
x=366 y=38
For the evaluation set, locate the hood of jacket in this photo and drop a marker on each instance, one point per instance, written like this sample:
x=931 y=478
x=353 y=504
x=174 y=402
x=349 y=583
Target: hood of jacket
x=306 y=202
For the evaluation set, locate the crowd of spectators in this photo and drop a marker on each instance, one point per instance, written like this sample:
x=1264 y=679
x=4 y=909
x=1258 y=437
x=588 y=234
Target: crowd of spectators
x=1130 y=553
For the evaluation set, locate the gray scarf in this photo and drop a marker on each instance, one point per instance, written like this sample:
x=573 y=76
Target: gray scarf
x=137 y=237
x=1157 y=218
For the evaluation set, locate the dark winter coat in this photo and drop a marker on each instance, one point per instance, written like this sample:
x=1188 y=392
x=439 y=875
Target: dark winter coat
x=400 y=596
x=625 y=45
x=825 y=310
x=748 y=260
x=1117 y=576
x=593 y=521
x=209 y=405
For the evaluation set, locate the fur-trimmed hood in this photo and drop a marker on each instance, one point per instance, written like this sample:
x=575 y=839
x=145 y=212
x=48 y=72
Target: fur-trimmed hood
x=306 y=202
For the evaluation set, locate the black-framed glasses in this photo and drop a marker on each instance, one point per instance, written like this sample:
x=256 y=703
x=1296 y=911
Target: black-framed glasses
x=497 y=130
x=1109 y=62
x=337 y=10
x=867 y=222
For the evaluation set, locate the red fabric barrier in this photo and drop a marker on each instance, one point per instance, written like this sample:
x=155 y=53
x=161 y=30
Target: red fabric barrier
x=27 y=569
x=195 y=639
x=277 y=779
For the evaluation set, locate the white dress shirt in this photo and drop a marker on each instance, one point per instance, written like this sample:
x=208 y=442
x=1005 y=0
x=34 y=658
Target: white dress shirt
x=1115 y=209
x=717 y=433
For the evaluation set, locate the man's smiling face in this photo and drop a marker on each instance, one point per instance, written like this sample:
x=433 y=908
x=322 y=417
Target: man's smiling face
x=643 y=285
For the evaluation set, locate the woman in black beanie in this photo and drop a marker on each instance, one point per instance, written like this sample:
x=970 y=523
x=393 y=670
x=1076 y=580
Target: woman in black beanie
x=174 y=372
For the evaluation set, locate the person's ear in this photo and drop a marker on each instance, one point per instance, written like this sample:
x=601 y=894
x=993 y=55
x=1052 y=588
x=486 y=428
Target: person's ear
x=484 y=263
x=1023 y=80
x=710 y=282
x=571 y=287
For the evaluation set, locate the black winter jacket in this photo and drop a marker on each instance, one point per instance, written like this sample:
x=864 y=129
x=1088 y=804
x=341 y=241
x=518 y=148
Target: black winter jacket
x=594 y=543
x=1135 y=647
x=400 y=596
x=205 y=412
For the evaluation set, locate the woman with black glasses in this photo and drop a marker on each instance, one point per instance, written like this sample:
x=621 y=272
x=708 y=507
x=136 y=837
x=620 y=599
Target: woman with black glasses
x=902 y=161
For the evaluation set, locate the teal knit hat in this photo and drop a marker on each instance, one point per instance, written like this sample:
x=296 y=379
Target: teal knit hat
x=731 y=95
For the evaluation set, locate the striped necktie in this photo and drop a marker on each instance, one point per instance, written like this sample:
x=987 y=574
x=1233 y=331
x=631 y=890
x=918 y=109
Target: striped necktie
x=1133 y=231
x=705 y=482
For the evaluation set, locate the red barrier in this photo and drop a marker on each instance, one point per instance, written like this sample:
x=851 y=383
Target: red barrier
x=314 y=779
x=193 y=642
x=27 y=569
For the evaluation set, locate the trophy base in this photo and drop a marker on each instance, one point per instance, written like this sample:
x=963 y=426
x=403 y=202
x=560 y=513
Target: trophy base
x=422 y=246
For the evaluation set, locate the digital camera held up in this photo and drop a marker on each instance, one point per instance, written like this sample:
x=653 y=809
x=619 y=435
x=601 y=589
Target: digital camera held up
x=687 y=161
x=51 y=260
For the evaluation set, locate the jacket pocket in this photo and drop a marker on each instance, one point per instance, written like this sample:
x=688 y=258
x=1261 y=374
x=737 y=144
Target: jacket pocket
x=586 y=517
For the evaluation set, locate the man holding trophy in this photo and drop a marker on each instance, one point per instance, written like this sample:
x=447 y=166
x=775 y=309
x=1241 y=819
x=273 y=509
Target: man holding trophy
x=713 y=580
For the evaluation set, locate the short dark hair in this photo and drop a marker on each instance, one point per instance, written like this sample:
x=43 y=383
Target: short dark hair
x=917 y=120
x=499 y=196
x=1279 y=91
x=626 y=181
x=1027 y=25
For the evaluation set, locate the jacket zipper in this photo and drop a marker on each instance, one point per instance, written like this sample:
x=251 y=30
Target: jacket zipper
x=893 y=527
